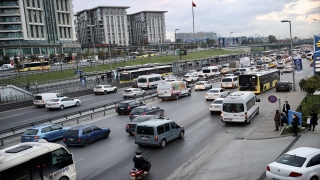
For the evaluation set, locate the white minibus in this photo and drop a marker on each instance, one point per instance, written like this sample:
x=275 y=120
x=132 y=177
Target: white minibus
x=40 y=100
x=229 y=82
x=37 y=160
x=239 y=107
x=210 y=71
x=149 y=81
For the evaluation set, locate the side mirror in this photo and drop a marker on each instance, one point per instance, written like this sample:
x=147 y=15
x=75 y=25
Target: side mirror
x=258 y=100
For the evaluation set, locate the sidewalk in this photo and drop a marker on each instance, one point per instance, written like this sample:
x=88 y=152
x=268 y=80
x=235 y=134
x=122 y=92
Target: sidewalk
x=266 y=128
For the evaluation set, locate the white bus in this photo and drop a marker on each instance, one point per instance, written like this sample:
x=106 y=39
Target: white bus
x=37 y=160
x=239 y=107
x=149 y=81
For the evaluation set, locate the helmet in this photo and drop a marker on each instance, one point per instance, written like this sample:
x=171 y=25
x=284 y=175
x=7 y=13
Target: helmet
x=138 y=152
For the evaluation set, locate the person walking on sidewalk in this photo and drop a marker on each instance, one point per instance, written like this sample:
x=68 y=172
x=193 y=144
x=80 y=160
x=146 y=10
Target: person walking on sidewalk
x=302 y=83
x=313 y=120
x=277 y=117
x=295 y=123
x=286 y=108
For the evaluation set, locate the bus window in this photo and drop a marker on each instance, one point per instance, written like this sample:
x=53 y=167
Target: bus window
x=20 y=172
x=60 y=159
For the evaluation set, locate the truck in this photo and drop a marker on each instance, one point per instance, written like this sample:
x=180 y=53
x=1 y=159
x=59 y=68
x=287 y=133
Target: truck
x=173 y=90
x=245 y=62
x=233 y=65
x=6 y=67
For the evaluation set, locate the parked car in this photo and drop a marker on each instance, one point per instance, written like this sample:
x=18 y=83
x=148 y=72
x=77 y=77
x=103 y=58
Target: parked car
x=133 y=92
x=202 y=85
x=286 y=69
x=215 y=93
x=146 y=110
x=49 y=132
x=216 y=105
x=83 y=135
x=299 y=164
x=104 y=89
x=61 y=103
x=284 y=86
x=126 y=107
x=130 y=128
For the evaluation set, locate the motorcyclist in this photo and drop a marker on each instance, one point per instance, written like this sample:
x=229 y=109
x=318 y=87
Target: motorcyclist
x=141 y=163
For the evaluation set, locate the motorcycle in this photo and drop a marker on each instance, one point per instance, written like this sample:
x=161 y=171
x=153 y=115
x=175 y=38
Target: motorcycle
x=137 y=173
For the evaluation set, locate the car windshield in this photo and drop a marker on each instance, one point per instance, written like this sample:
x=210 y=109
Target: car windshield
x=199 y=83
x=142 y=119
x=98 y=87
x=243 y=70
x=31 y=132
x=71 y=133
x=127 y=90
x=138 y=110
x=142 y=80
x=213 y=91
x=145 y=130
x=186 y=76
x=282 y=83
x=206 y=71
x=37 y=98
x=291 y=160
x=233 y=107
x=226 y=80
x=217 y=102
x=122 y=105
x=54 y=100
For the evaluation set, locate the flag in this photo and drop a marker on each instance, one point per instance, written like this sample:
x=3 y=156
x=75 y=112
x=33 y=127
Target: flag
x=193 y=5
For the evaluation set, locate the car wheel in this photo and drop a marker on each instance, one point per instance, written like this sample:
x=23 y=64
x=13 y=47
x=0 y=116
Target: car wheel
x=144 y=94
x=61 y=107
x=106 y=135
x=134 y=96
x=115 y=90
x=257 y=111
x=85 y=143
x=77 y=103
x=163 y=143
x=63 y=178
x=161 y=114
x=249 y=121
x=124 y=97
x=105 y=92
x=211 y=87
x=314 y=178
x=189 y=93
x=181 y=135
x=177 y=97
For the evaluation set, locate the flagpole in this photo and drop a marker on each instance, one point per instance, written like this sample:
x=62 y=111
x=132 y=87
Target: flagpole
x=193 y=27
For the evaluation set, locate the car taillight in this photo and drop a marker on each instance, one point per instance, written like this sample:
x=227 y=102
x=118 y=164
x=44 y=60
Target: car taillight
x=128 y=107
x=210 y=106
x=79 y=139
x=221 y=114
x=129 y=114
x=127 y=126
x=295 y=174
x=64 y=139
x=42 y=101
x=131 y=92
x=144 y=113
x=156 y=138
x=268 y=168
x=171 y=92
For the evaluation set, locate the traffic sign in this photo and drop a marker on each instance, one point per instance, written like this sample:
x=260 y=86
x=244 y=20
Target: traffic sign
x=272 y=99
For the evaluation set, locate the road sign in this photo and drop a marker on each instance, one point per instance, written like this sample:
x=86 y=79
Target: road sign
x=272 y=99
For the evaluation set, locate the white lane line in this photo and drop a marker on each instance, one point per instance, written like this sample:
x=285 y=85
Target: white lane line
x=15 y=109
x=118 y=126
x=123 y=140
x=11 y=116
x=30 y=119
x=79 y=160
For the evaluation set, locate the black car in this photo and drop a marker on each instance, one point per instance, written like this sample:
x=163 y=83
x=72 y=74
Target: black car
x=284 y=86
x=130 y=128
x=146 y=110
x=126 y=107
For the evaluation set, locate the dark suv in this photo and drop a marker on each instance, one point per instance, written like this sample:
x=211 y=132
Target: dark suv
x=146 y=110
x=126 y=107
x=84 y=134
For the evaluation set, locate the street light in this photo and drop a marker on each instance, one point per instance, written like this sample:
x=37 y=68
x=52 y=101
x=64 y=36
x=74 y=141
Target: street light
x=175 y=42
x=230 y=44
x=293 y=78
x=24 y=75
x=94 y=49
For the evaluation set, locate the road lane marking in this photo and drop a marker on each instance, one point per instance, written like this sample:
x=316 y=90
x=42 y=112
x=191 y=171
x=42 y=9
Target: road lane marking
x=79 y=160
x=11 y=116
x=123 y=140
x=30 y=119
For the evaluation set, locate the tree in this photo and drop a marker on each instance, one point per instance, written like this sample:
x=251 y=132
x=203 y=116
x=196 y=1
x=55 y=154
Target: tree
x=123 y=54
x=87 y=54
x=61 y=57
x=16 y=62
x=33 y=57
x=6 y=58
x=101 y=55
x=272 y=39
x=312 y=84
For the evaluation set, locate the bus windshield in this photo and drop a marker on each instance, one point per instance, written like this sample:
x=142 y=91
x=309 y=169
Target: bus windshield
x=142 y=80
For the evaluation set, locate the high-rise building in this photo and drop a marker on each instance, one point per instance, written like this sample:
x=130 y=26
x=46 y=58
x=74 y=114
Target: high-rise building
x=147 y=27
x=38 y=26
x=102 y=26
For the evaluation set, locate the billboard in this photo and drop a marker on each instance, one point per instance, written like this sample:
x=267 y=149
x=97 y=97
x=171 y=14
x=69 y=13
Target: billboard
x=316 y=42
x=316 y=62
x=297 y=65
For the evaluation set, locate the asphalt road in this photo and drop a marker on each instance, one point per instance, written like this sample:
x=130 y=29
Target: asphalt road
x=112 y=158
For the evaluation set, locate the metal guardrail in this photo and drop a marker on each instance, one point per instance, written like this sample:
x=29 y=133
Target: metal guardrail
x=74 y=116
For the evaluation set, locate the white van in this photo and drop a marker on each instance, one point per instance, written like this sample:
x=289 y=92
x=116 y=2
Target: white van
x=229 y=82
x=173 y=90
x=210 y=71
x=149 y=81
x=309 y=55
x=40 y=100
x=244 y=70
x=239 y=107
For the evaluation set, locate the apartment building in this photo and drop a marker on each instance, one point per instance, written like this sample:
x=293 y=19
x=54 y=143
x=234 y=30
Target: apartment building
x=40 y=27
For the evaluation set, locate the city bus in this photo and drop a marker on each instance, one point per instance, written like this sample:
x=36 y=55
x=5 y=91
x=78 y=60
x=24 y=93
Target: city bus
x=37 y=160
x=129 y=76
x=260 y=81
x=36 y=66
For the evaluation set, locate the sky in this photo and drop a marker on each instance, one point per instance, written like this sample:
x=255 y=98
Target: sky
x=248 y=18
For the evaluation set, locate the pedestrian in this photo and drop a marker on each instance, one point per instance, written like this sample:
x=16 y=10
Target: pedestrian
x=102 y=77
x=295 y=123
x=284 y=119
x=28 y=87
x=277 y=117
x=286 y=108
x=302 y=84
x=313 y=120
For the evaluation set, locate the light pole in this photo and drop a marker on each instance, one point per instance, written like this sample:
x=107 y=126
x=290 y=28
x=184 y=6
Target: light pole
x=24 y=75
x=175 y=43
x=94 y=49
x=292 y=62
x=230 y=44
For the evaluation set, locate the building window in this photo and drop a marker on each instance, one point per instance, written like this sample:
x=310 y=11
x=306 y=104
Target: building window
x=40 y=18
x=57 y=2
x=61 y=4
x=31 y=30
x=26 y=50
x=35 y=16
x=59 y=22
x=42 y=34
x=37 y=32
x=36 y=51
x=43 y=50
x=65 y=33
x=66 y=7
x=30 y=18
x=60 y=32
x=63 y=19
x=38 y=3
x=28 y=3
x=69 y=32
x=67 y=17
x=33 y=3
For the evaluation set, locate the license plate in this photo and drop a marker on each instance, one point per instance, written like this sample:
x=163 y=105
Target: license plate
x=145 y=138
x=49 y=104
x=132 y=177
x=35 y=101
x=228 y=119
x=27 y=137
x=274 y=179
x=121 y=108
x=216 y=106
x=70 y=139
x=282 y=86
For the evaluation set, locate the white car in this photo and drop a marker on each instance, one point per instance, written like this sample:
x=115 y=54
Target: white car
x=104 y=89
x=216 y=105
x=267 y=60
x=252 y=62
x=202 y=85
x=190 y=72
x=299 y=164
x=61 y=103
x=215 y=93
x=58 y=63
x=191 y=78
x=133 y=93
